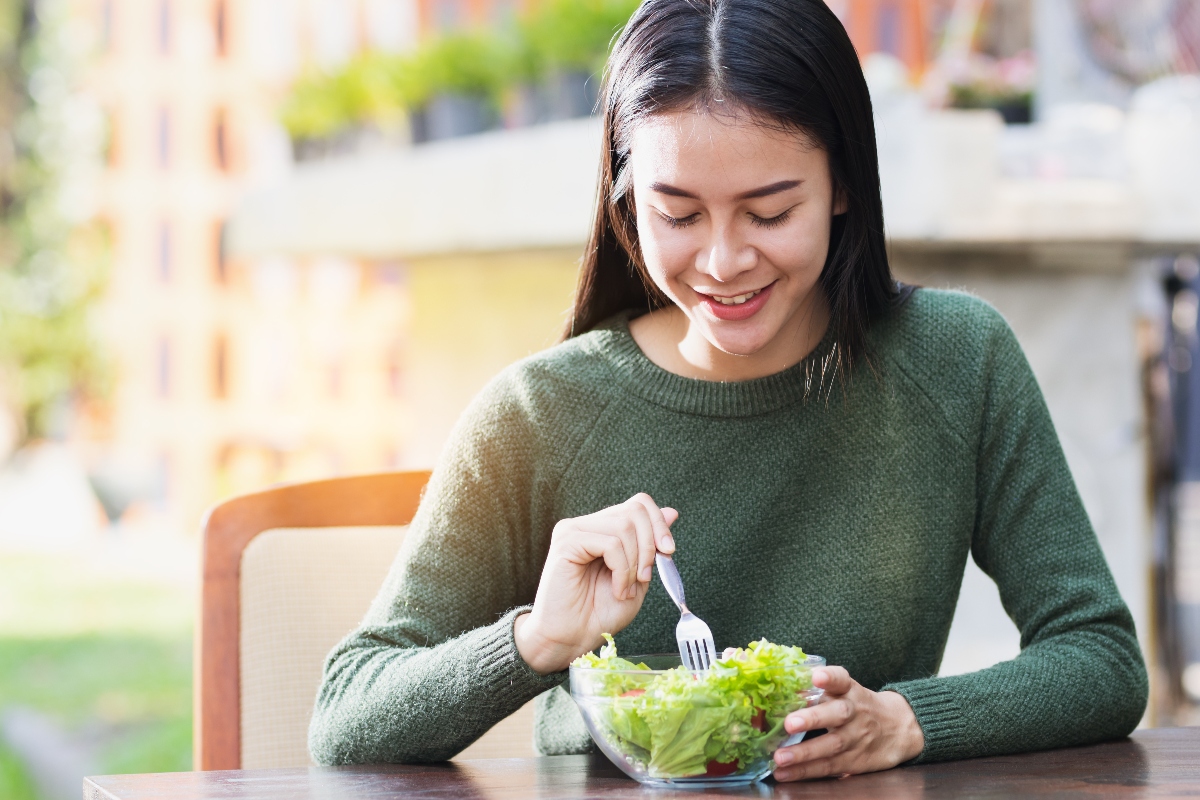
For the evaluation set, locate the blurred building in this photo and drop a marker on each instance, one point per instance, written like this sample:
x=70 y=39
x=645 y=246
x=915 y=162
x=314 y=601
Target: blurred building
x=228 y=375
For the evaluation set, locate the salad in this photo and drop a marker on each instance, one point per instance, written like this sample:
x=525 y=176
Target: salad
x=677 y=723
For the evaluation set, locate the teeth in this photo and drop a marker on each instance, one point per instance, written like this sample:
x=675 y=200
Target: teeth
x=735 y=301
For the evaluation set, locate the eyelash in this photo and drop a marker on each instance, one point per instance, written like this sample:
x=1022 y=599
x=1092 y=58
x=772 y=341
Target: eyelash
x=690 y=219
x=773 y=222
x=679 y=222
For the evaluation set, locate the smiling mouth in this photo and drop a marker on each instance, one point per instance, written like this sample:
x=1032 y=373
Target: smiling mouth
x=736 y=300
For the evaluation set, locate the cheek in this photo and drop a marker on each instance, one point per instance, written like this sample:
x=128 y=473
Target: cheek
x=799 y=248
x=666 y=253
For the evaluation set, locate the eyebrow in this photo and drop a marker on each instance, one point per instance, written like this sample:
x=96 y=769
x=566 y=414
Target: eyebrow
x=762 y=191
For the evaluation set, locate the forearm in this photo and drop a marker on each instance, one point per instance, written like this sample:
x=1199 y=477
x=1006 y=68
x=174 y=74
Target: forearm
x=1083 y=686
x=385 y=703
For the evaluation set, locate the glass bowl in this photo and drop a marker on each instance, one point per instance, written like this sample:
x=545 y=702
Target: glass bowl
x=672 y=727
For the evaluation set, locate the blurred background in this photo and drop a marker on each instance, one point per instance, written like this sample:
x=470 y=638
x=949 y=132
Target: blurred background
x=252 y=241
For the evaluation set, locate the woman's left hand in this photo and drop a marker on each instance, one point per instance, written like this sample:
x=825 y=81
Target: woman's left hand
x=867 y=731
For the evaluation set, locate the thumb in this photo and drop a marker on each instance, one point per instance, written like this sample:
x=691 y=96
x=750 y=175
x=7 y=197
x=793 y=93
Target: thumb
x=834 y=680
x=670 y=515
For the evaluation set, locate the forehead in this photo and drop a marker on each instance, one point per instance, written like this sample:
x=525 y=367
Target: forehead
x=697 y=146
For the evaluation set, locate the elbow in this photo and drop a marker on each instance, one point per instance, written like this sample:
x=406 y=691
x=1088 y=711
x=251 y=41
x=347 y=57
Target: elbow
x=1139 y=696
x=329 y=737
x=1130 y=684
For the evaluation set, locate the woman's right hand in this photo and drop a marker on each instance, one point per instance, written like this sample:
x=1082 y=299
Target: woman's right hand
x=595 y=578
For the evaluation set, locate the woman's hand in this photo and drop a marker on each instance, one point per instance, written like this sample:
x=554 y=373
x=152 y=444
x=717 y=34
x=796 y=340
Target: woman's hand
x=596 y=575
x=867 y=731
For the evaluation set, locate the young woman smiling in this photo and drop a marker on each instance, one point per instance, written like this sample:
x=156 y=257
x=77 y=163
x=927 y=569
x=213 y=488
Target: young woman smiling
x=744 y=381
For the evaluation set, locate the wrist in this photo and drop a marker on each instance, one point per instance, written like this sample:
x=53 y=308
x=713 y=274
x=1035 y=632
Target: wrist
x=543 y=656
x=910 y=738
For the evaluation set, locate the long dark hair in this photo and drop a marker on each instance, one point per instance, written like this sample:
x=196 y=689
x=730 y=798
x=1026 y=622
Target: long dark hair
x=787 y=63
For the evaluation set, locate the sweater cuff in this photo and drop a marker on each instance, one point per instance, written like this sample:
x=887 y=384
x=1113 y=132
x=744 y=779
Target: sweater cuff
x=500 y=663
x=938 y=713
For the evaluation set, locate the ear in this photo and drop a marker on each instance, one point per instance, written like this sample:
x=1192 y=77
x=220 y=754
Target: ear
x=841 y=204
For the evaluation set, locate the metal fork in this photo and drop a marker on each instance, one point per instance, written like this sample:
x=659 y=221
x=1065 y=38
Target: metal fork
x=693 y=635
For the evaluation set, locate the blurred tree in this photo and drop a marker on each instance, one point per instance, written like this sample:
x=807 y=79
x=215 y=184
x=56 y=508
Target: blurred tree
x=50 y=271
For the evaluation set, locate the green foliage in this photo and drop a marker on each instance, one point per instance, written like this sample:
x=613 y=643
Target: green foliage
x=121 y=680
x=574 y=35
x=50 y=273
x=370 y=88
x=112 y=653
x=378 y=89
x=15 y=783
x=472 y=63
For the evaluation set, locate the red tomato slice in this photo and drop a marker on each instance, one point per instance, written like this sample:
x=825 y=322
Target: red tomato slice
x=719 y=769
x=759 y=720
x=634 y=693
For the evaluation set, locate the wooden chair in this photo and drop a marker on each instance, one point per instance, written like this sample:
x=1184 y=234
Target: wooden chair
x=286 y=573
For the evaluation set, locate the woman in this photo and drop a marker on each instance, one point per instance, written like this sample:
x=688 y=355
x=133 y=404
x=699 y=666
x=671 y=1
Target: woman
x=743 y=382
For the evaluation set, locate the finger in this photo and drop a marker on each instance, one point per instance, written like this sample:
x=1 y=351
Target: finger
x=666 y=542
x=622 y=523
x=827 y=746
x=823 y=715
x=648 y=534
x=834 y=680
x=592 y=545
x=822 y=768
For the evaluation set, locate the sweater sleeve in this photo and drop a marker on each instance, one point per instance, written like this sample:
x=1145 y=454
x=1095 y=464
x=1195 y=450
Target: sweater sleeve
x=434 y=665
x=1080 y=676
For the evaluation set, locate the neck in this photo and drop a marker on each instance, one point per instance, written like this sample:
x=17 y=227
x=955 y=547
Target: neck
x=670 y=340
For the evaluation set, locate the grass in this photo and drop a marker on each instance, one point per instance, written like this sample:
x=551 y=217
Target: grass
x=14 y=782
x=104 y=653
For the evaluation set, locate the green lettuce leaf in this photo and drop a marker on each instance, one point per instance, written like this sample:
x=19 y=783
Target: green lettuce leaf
x=678 y=722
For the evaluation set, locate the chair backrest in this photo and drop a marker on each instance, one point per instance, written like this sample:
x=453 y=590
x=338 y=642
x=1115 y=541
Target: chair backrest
x=287 y=573
x=302 y=590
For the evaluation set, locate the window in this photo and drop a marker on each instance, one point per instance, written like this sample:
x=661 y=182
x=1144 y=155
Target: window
x=164 y=27
x=106 y=25
x=395 y=370
x=163 y=368
x=164 y=252
x=221 y=140
x=888 y=36
x=221 y=367
x=164 y=138
x=221 y=28
x=448 y=15
x=220 y=249
x=503 y=12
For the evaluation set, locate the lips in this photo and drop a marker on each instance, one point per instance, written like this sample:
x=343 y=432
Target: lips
x=736 y=307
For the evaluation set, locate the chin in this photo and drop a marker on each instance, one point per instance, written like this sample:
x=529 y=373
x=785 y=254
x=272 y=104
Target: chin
x=740 y=343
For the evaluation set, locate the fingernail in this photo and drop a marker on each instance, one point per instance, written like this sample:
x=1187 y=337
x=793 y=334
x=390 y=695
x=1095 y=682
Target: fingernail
x=783 y=758
x=668 y=542
x=795 y=723
x=646 y=574
x=632 y=593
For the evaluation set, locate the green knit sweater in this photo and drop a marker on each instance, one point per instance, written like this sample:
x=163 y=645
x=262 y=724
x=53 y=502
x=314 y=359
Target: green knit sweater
x=837 y=519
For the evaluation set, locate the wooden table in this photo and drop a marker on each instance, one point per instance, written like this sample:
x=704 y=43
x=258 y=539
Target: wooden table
x=1154 y=763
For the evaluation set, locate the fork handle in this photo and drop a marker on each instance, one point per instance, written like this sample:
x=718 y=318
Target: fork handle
x=669 y=575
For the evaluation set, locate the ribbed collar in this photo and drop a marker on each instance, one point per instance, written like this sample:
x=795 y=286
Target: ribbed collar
x=612 y=341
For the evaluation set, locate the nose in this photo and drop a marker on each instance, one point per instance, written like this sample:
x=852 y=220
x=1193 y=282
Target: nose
x=727 y=256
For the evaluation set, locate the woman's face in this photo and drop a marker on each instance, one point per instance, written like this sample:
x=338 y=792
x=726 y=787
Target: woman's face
x=733 y=219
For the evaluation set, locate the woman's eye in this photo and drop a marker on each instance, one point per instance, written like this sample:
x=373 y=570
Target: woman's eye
x=771 y=222
x=679 y=222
